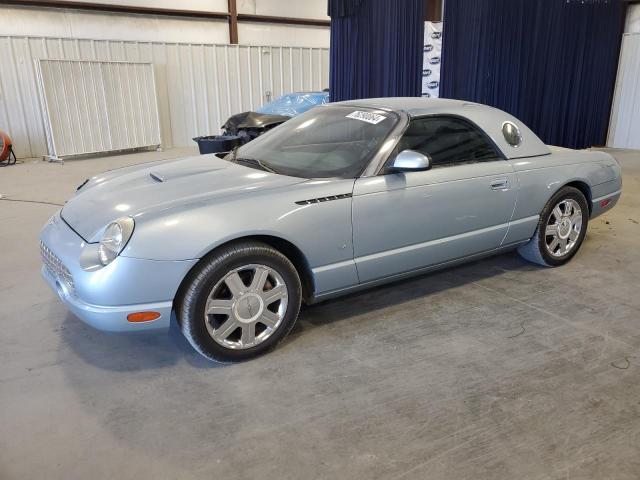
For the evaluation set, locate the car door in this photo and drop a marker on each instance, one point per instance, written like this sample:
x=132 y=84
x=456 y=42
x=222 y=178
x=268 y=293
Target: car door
x=460 y=207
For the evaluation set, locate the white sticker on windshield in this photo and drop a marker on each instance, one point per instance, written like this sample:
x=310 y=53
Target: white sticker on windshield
x=368 y=117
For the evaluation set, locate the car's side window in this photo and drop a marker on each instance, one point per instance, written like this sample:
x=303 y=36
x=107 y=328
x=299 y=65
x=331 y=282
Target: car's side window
x=448 y=141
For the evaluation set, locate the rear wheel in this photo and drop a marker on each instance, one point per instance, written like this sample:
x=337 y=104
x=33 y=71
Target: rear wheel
x=240 y=302
x=561 y=229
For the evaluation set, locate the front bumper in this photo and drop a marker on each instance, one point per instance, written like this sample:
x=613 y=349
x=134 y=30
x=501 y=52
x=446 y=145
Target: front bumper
x=104 y=297
x=111 y=319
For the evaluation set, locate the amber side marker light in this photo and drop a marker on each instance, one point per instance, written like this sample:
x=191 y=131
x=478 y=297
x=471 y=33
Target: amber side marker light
x=143 y=316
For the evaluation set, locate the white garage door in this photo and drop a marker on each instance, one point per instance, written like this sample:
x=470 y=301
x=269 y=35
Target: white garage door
x=624 y=128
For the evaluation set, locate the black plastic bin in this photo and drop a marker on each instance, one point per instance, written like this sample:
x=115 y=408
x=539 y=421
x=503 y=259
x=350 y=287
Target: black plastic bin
x=217 y=143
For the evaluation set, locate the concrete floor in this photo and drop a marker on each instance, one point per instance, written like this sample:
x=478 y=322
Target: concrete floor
x=494 y=370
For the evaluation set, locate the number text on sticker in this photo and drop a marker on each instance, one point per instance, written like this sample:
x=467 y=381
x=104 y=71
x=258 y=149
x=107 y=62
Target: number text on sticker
x=368 y=117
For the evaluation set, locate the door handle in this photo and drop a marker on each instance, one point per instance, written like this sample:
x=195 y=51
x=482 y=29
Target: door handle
x=500 y=184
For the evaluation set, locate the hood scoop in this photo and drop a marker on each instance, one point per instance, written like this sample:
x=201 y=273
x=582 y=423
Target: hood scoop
x=156 y=177
x=171 y=171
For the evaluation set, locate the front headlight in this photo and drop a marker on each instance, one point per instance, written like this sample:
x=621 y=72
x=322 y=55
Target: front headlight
x=114 y=239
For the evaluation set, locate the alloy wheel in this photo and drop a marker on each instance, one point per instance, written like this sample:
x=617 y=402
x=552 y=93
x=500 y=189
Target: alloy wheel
x=563 y=228
x=246 y=306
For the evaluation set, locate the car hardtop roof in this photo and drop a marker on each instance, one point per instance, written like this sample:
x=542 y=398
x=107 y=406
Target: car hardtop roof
x=488 y=118
x=416 y=106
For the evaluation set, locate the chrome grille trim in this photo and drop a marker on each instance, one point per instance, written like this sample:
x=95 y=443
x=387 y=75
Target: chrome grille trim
x=55 y=266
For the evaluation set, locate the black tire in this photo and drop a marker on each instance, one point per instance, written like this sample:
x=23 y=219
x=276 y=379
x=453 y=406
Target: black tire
x=208 y=273
x=536 y=249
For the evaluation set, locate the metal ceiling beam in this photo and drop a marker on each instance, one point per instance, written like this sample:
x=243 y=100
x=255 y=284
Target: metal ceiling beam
x=102 y=7
x=249 y=17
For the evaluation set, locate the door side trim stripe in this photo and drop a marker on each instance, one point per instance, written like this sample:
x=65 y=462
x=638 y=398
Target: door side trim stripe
x=418 y=246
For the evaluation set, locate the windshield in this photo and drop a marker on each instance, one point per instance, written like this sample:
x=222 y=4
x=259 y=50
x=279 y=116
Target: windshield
x=324 y=142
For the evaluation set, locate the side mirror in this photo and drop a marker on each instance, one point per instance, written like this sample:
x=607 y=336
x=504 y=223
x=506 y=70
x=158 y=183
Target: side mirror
x=410 y=161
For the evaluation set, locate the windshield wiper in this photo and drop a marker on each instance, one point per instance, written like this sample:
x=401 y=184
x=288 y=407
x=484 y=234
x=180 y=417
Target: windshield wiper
x=266 y=166
x=234 y=154
x=263 y=165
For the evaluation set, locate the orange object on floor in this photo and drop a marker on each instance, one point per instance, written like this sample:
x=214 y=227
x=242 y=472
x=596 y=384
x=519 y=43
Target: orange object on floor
x=6 y=150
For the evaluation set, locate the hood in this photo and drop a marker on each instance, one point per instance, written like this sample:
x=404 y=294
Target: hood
x=133 y=191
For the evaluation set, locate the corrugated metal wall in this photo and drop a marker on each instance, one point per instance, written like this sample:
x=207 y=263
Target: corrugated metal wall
x=198 y=85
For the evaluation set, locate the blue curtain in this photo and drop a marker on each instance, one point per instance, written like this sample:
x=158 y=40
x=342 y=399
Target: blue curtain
x=551 y=63
x=376 y=48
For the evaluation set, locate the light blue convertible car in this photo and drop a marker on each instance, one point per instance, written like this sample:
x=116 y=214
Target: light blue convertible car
x=343 y=197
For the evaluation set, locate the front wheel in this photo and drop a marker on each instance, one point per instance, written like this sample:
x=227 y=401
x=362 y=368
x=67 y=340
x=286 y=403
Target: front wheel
x=561 y=229
x=240 y=302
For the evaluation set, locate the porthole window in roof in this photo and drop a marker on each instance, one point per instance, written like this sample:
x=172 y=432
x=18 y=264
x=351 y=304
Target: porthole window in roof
x=511 y=134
